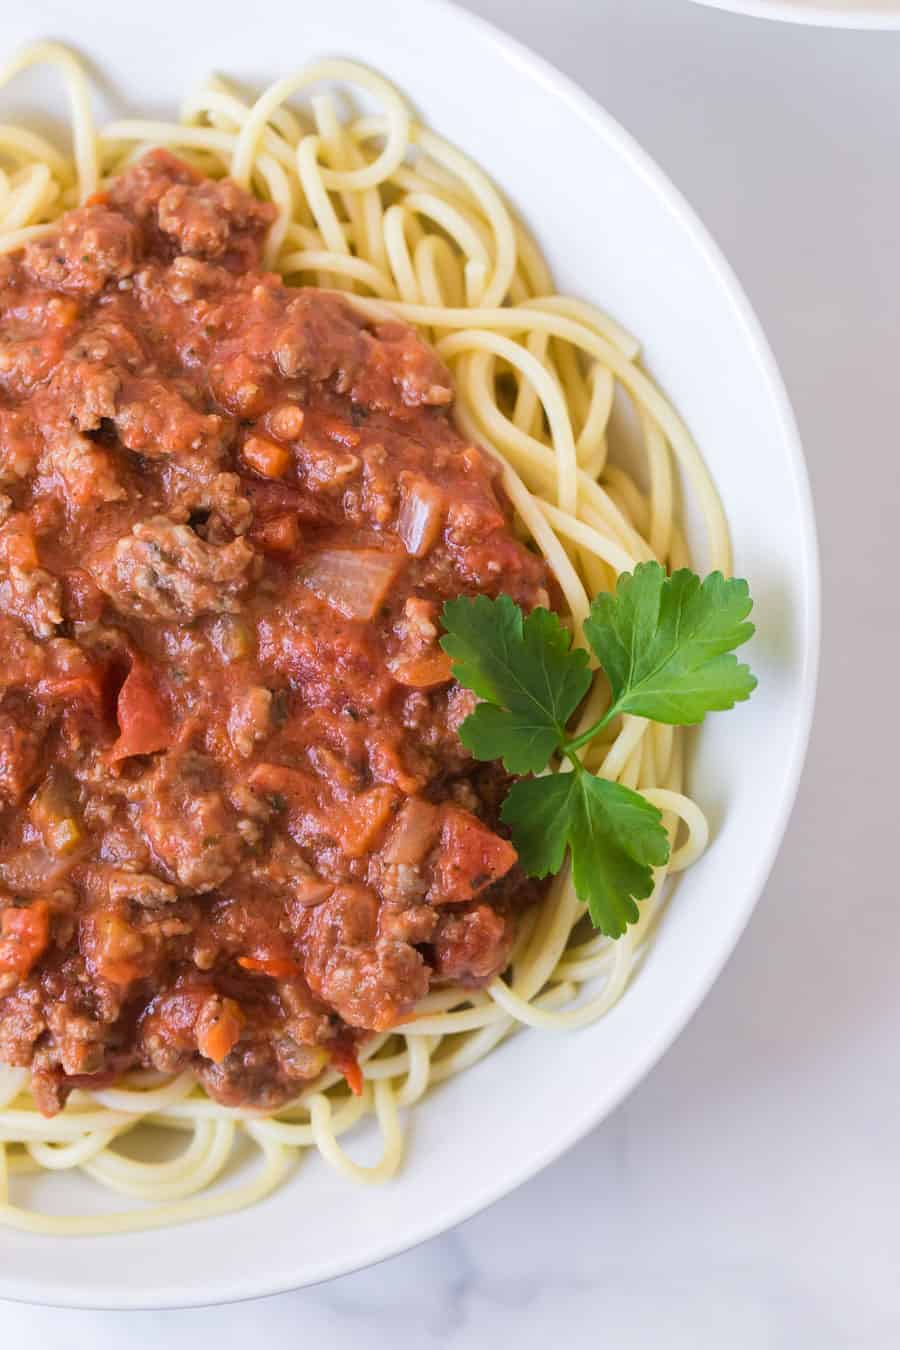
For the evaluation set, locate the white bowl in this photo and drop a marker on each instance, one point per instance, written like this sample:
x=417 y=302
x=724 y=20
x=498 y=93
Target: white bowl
x=820 y=13
x=618 y=233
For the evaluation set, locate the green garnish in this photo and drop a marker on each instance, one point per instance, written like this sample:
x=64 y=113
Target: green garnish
x=665 y=644
x=525 y=671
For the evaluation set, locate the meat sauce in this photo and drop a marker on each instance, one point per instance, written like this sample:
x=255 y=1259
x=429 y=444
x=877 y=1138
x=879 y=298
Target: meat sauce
x=238 y=830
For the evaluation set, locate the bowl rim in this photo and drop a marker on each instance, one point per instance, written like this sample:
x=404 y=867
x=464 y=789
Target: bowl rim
x=236 y=1288
x=814 y=16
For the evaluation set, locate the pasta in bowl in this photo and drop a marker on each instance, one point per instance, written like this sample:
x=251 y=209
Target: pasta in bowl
x=346 y=895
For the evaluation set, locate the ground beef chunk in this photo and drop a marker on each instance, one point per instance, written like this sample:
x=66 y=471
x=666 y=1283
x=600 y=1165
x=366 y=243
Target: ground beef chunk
x=189 y=825
x=22 y=1020
x=382 y=366
x=27 y=590
x=26 y=660
x=167 y=1032
x=153 y=418
x=20 y=446
x=93 y=247
x=207 y=220
x=21 y=747
x=407 y=923
x=79 y=1039
x=372 y=981
x=141 y=887
x=472 y=946
x=195 y=216
x=85 y=387
x=222 y=500
x=85 y=471
x=165 y=570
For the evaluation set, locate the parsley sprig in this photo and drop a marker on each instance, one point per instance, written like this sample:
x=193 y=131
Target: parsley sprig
x=665 y=644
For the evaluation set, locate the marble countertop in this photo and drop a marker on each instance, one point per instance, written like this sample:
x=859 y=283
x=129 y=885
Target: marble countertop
x=746 y=1195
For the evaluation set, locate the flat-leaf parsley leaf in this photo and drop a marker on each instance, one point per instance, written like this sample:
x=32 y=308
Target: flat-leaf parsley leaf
x=525 y=670
x=666 y=646
x=665 y=643
x=615 y=835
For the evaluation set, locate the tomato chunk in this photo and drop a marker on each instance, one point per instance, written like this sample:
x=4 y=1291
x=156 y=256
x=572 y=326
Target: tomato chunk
x=278 y=967
x=343 y=1057
x=268 y=458
x=24 y=935
x=471 y=857
x=142 y=716
x=279 y=536
x=219 y=1028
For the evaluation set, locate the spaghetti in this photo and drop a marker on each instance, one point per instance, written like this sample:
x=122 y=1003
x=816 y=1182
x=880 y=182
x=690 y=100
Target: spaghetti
x=383 y=209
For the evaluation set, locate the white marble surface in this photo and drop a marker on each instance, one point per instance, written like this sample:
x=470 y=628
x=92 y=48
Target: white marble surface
x=746 y=1196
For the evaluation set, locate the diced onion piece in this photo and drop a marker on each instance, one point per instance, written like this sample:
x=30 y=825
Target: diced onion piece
x=354 y=581
x=233 y=638
x=52 y=812
x=421 y=517
x=359 y=825
x=414 y=833
x=63 y=837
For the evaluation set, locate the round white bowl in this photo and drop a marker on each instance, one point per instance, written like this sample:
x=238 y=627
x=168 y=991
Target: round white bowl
x=819 y=13
x=617 y=233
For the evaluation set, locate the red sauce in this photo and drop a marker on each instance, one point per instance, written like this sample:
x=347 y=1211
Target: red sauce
x=238 y=830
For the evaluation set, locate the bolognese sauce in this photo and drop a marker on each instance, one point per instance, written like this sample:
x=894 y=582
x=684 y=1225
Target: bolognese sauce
x=238 y=829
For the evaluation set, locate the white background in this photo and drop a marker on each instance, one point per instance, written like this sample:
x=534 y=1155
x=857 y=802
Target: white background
x=747 y=1196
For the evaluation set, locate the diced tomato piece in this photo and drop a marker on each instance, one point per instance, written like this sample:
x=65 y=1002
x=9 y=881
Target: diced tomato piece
x=115 y=947
x=278 y=967
x=24 y=935
x=360 y=824
x=280 y=535
x=357 y=823
x=142 y=716
x=222 y=1031
x=268 y=458
x=343 y=1057
x=470 y=857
